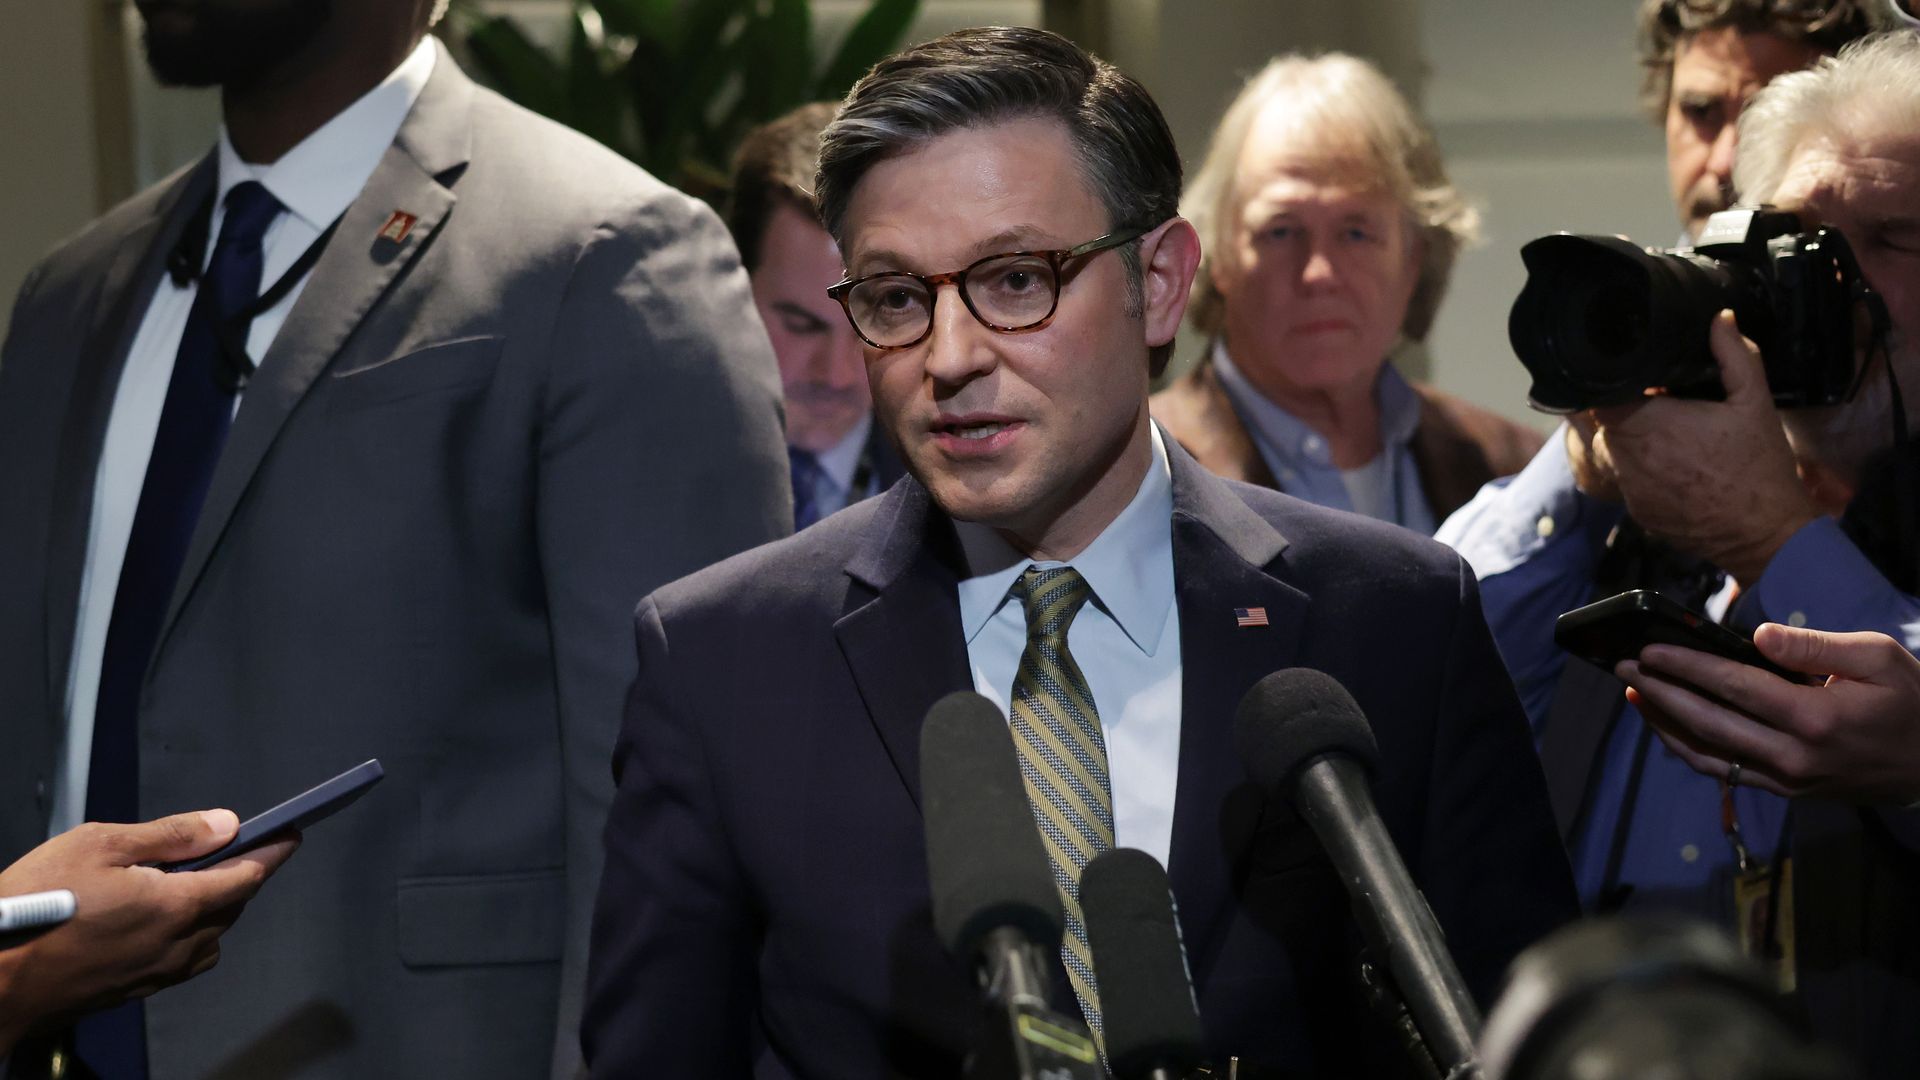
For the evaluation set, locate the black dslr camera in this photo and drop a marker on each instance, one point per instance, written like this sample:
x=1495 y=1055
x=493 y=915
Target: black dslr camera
x=1602 y=320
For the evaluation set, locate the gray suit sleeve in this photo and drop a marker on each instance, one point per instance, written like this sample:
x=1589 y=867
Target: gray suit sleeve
x=661 y=452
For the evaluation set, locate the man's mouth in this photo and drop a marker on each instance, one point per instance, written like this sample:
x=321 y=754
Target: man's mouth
x=971 y=428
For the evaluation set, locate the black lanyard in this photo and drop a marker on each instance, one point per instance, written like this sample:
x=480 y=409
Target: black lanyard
x=184 y=266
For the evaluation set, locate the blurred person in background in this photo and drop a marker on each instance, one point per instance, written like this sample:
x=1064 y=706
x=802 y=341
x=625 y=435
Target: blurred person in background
x=837 y=454
x=1701 y=60
x=1329 y=230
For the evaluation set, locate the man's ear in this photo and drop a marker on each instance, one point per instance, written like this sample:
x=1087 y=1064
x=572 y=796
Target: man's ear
x=1169 y=256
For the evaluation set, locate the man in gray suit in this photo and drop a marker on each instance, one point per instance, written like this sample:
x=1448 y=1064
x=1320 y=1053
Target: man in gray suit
x=360 y=438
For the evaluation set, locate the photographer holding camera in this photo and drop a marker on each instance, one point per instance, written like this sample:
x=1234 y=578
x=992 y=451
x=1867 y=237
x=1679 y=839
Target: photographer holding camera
x=1785 y=502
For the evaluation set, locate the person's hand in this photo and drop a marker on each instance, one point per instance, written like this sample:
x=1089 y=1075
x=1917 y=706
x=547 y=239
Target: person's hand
x=1714 y=479
x=1856 y=738
x=1587 y=455
x=135 y=929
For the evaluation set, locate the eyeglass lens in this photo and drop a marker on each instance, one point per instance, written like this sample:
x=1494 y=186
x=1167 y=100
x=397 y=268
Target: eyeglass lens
x=1009 y=292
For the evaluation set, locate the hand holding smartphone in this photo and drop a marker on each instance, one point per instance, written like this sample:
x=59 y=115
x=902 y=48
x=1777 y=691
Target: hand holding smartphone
x=1617 y=628
x=304 y=809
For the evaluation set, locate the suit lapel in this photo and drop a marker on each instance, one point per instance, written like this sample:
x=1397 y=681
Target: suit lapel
x=358 y=268
x=126 y=290
x=1225 y=557
x=901 y=634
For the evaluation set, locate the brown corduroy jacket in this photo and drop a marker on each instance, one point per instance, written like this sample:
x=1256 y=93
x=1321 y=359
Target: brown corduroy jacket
x=1457 y=447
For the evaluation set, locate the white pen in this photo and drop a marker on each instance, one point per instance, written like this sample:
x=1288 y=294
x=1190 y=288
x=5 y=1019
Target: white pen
x=35 y=910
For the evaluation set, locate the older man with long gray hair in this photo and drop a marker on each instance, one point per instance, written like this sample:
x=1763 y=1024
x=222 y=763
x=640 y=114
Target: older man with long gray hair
x=1330 y=230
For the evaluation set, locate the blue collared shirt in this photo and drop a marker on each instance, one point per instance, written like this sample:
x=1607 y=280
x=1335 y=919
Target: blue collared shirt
x=1126 y=641
x=1387 y=488
x=1534 y=540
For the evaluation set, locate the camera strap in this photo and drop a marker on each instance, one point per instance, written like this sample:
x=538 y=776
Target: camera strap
x=1906 y=489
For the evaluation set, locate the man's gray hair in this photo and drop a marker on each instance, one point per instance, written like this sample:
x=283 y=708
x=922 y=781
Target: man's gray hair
x=1355 y=109
x=986 y=75
x=1872 y=86
x=1870 y=90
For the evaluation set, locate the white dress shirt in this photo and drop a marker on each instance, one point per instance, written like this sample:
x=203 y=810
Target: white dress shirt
x=1126 y=641
x=315 y=181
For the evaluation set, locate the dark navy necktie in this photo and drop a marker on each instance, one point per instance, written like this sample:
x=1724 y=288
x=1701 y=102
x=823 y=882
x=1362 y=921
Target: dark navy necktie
x=193 y=428
x=806 y=471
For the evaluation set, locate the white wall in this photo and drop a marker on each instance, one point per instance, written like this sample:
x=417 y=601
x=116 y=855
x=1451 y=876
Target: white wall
x=49 y=160
x=1534 y=107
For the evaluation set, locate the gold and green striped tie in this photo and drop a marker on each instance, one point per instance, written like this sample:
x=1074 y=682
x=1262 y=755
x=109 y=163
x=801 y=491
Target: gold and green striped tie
x=1063 y=757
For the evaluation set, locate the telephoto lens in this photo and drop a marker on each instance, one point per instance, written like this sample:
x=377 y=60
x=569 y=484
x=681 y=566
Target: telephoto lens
x=1602 y=320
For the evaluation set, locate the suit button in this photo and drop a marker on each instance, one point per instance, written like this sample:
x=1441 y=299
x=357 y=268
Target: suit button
x=40 y=790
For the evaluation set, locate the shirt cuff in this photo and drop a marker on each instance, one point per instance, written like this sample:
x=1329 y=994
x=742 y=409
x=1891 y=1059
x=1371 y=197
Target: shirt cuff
x=1819 y=579
x=1513 y=518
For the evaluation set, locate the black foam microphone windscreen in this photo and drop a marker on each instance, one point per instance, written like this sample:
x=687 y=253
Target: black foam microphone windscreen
x=1146 y=992
x=1295 y=715
x=1304 y=738
x=985 y=862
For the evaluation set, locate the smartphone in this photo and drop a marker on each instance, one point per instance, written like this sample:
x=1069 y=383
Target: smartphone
x=1618 y=627
x=296 y=813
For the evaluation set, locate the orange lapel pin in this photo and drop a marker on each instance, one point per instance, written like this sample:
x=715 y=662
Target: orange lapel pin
x=398 y=226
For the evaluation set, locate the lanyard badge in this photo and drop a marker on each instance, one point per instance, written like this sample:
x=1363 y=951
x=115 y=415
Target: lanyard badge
x=1762 y=896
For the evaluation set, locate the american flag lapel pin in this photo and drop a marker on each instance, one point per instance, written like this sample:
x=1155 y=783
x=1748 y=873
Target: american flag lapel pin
x=1249 y=616
x=398 y=225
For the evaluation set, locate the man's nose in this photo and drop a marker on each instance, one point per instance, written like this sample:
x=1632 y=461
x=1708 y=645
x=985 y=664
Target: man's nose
x=958 y=345
x=1720 y=155
x=1318 y=271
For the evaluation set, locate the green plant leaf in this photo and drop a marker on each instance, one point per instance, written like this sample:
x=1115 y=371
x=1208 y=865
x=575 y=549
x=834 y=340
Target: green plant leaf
x=678 y=116
x=878 y=33
x=511 y=63
x=787 y=44
x=656 y=20
x=596 y=103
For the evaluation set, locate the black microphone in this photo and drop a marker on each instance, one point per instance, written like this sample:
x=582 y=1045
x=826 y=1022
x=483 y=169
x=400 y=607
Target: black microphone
x=1300 y=733
x=1147 y=1010
x=994 y=900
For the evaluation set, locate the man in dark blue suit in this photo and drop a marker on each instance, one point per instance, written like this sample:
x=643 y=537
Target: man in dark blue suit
x=1006 y=205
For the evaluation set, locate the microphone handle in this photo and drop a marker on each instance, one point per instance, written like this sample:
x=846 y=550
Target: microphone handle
x=1333 y=796
x=1024 y=1039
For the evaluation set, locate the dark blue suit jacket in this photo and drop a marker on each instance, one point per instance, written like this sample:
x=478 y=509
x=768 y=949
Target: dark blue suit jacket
x=765 y=907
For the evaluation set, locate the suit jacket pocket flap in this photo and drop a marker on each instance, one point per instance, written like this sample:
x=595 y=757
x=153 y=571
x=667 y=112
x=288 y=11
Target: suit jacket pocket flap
x=443 y=366
x=482 y=919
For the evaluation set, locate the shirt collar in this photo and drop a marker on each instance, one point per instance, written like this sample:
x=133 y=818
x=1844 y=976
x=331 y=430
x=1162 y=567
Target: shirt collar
x=842 y=459
x=1129 y=565
x=320 y=177
x=1293 y=439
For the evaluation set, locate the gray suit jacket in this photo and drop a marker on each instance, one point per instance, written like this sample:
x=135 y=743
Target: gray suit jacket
x=463 y=460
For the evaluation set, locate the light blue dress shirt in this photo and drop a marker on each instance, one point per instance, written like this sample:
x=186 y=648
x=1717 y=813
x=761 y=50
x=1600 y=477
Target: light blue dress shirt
x=1387 y=488
x=1126 y=641
x=1535 y=541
